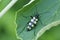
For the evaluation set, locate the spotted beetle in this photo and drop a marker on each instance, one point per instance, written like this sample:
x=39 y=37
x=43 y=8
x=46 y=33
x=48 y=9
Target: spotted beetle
x=33 y=22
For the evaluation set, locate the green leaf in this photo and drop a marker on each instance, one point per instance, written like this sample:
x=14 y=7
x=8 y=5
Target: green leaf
x=3 y=4
x=8 y=22
x=49 y=11
x=53 y=33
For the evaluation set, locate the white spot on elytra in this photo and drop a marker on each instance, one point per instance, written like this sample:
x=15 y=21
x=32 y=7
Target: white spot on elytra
x=35 y=22
x=29 y=27
x=32 y=20
x=30 y=23
x=36 y=19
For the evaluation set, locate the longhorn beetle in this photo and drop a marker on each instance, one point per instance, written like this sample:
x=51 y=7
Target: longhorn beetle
x=33 y=22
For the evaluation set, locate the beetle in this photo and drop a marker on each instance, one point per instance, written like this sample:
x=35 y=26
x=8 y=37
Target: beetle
x=33 y=22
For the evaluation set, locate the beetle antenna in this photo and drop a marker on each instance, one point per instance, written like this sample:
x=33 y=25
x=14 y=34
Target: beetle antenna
x=24 y=16
x=36 y=10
